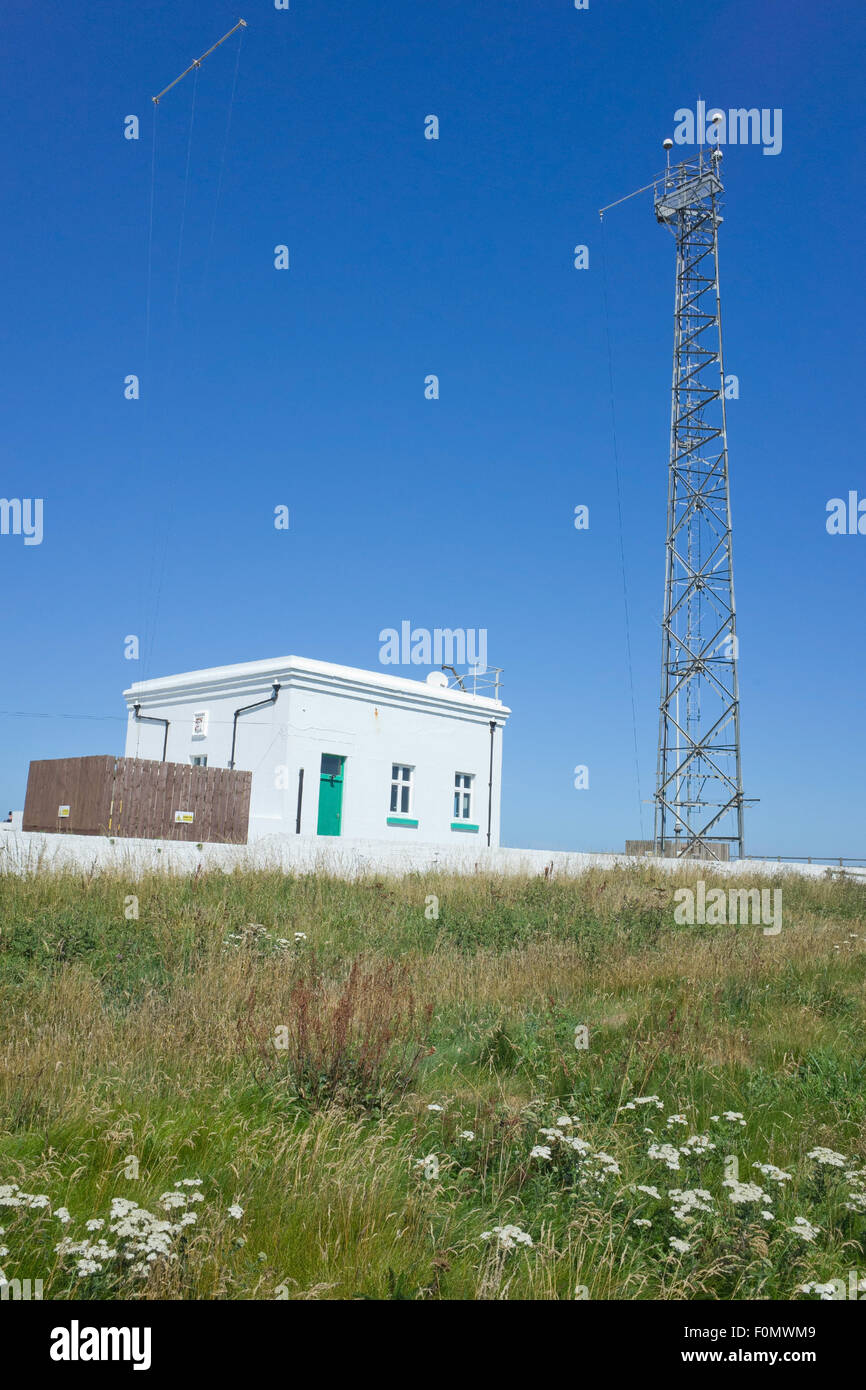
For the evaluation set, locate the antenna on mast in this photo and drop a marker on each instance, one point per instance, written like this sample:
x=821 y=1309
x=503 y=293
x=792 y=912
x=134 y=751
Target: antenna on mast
x=197 y=62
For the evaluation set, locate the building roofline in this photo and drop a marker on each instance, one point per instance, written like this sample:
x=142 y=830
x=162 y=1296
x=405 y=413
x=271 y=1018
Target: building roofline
x=300 y=671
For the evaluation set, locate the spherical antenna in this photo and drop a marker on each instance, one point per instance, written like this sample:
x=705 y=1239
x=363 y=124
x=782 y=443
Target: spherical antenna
x=437 y=679
x=667 y=144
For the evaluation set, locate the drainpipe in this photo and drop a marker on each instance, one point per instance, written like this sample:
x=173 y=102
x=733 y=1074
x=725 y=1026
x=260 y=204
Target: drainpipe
x=300 y=801
x=490 y=784
x=151 y=719
x=259 y=704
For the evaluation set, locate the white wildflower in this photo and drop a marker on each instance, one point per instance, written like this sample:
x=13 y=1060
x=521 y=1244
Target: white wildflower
x=685 y=1204
x=121 y=1206
x=608 y=1164
x=770 y=1171
x=827 y=1157
x=508 y=1237
x=698 y=1144
x=666 y=1153
x=744 y=1191
x=804 y=1228
x=580 y=1146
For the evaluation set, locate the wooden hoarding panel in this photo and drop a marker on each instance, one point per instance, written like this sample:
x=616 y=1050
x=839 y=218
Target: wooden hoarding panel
x=138 y=798
x=70 y=796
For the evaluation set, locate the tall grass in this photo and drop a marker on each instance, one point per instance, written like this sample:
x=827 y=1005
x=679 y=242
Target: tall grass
x=318 y=1052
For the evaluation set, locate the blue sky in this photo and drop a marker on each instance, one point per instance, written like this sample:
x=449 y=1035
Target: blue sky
x=408 y=257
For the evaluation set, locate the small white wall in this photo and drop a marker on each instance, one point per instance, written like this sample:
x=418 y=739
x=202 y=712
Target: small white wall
x=371 y=719
x=32 y=852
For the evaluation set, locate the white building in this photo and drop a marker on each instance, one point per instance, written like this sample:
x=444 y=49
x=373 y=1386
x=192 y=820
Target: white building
x=333 y=750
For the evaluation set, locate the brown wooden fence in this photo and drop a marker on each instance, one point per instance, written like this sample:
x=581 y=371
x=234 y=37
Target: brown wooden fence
x=69 y=794
x=138 y=797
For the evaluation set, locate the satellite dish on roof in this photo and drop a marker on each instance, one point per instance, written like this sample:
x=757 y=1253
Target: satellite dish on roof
x=437 y=678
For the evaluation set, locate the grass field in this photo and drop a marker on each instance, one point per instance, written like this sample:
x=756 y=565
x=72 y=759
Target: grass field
x=310 y=1088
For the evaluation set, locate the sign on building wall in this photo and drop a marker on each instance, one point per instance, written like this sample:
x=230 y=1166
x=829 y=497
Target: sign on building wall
x=184 y=817
x=199 y=724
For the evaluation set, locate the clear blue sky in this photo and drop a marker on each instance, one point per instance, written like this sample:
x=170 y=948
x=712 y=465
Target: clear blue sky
x=410 y=257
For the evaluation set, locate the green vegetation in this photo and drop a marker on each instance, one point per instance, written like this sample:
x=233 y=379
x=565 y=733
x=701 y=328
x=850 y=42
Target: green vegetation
x=370 y=1078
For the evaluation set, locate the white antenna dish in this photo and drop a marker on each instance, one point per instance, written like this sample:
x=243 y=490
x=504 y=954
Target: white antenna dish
x=437 y=679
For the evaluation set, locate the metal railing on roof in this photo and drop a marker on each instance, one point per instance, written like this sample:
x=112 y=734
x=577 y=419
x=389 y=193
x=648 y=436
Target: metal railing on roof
x=477 y=680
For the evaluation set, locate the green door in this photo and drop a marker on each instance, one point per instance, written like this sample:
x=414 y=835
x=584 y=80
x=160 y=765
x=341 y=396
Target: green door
x=330 y=794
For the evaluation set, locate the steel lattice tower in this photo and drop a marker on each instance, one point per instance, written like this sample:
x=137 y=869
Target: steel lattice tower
x=699 y=794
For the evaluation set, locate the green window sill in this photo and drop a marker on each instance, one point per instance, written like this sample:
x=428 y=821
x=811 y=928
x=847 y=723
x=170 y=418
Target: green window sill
x=464 y=825
x=402 y=820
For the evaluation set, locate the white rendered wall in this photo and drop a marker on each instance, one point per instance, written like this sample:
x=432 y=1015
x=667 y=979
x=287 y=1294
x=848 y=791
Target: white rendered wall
x=31 y=852
x=371 y=720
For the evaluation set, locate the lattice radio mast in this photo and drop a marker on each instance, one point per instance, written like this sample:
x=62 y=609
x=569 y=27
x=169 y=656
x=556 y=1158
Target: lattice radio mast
x=699 y=794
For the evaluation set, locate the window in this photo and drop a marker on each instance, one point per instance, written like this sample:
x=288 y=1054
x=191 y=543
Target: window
x=198 y=759
x=401 y=789
x=463 y=795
